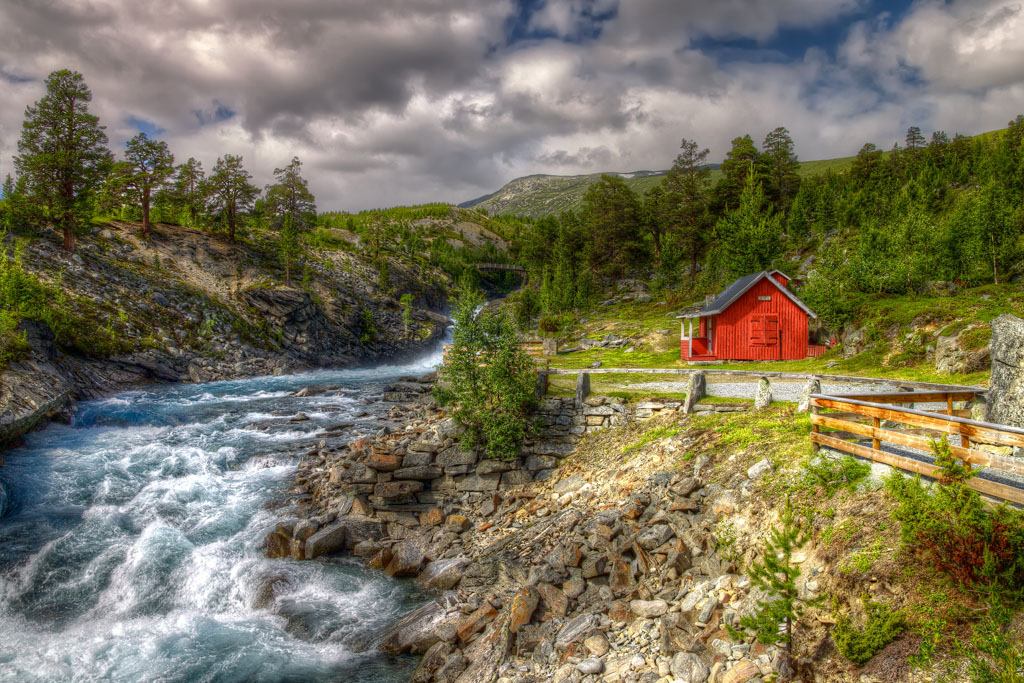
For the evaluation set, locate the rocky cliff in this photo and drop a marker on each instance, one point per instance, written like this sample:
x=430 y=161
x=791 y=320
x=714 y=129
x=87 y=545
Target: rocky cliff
x=189 y=306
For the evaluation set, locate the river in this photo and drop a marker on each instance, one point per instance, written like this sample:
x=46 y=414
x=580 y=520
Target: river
x=130 y=541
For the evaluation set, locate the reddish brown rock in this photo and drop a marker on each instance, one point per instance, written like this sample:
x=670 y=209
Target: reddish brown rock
x=432 y=517
x=620 y=579
x=380 y=560
x=522 y=608
x=406 y=559
x=619 y=611
x=278 y=544
x=555 y=603
x=457 y=523
x=384 y=462
x=473 y=623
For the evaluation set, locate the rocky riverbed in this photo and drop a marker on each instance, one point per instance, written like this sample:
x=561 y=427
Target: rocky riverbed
x=559 y=565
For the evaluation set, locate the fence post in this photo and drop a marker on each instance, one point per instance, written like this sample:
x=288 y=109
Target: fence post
x=875 y=443
x=814 y=428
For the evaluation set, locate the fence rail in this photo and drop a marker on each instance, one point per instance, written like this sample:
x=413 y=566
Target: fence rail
x=882 y=419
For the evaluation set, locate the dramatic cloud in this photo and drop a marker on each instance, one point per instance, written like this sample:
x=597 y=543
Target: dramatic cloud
x=402 y=101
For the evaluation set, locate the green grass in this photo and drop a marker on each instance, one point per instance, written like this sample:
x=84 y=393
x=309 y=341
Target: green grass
x=888 y=321
x=650 y=436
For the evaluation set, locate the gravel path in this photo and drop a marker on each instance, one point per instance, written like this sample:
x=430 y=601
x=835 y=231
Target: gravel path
x=782 y=390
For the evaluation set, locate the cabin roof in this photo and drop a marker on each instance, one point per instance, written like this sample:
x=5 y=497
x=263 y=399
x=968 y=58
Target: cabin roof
x=739 y=287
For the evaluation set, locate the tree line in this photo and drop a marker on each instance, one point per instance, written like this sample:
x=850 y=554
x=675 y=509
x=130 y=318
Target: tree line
x=66 y=174
x=948 y=209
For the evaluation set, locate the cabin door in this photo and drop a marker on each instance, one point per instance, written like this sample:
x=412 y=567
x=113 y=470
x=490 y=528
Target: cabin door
x=766 y=336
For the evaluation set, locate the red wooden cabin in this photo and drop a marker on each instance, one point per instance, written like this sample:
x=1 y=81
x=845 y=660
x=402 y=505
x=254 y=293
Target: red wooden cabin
x=755 y=318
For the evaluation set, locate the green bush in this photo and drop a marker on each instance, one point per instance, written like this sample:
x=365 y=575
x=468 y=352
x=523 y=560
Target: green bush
x=832 y=474
x=950 y=528
x=882 y=625
x=488 y=381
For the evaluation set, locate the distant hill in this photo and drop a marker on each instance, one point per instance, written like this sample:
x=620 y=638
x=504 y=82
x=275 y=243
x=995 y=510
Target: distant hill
x=549 y=195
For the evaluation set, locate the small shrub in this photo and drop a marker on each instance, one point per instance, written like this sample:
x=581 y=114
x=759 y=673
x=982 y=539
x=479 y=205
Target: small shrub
x=832 y=474
x=882 y=625
x=776 y=573
x=368 y=330
x=488 y=381
x=951 y=529
x=550 y=324
x=996 y=658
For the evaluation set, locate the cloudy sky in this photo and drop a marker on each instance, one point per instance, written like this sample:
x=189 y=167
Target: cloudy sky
x=405 y=101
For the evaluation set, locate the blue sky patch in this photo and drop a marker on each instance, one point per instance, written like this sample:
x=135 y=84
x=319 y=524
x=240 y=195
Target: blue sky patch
x=216 y=115
x=143 y=126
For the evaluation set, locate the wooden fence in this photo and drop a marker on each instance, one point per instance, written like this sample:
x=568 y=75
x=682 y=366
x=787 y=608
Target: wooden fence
x=882 y=419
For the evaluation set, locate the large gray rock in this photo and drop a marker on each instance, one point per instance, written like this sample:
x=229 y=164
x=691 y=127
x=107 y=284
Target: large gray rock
x=1006 y=388
x=696 y=389
x=424 y=627
x=406 y=558
x=953 y=358
x=688 y=667
x=763 y=395
x=343 y=535
x=443 y=574
x=813 y=386
x=576 y=629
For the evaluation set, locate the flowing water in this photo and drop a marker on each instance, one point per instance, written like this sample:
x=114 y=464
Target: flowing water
x=130 y=541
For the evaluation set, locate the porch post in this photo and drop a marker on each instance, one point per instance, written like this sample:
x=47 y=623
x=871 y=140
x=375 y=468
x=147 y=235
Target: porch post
x=691 y=339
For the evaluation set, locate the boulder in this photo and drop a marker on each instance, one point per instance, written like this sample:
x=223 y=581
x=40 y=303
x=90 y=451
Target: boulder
x=813 y=386
x=418 y=631
x=741 y=672
x=688 y=667
x=343 y=534
x=422 y=472
x=696 y=389
x=649 y=609
x=763 y=395
x=576 y=629
x=953 y=358
x=443 y=574
x=406 y=559
x=1006 y=388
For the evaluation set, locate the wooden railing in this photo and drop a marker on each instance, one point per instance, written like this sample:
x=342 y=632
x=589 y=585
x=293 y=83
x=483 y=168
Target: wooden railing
x=882 y=419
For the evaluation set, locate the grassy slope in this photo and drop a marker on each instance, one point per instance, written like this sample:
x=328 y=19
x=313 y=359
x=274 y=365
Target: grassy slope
x=544 y=195
x=854 y=538
x=888 y=321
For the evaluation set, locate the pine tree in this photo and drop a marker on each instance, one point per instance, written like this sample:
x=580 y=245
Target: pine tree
x=687 y=188
x=189 y=190
x=230 y=193
x=783 y=167
x=62 y=153
x=735 y=168
x=776 y=573
x=149 y=165
x=748 y=238
x=292 y=210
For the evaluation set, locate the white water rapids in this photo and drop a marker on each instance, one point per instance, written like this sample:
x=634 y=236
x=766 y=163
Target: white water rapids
x=130 y=541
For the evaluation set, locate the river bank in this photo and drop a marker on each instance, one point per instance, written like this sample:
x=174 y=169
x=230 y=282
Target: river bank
x=188 y=306
x=132 y=538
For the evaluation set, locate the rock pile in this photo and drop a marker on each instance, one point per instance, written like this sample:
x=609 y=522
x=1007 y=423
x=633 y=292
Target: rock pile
x=542 y=574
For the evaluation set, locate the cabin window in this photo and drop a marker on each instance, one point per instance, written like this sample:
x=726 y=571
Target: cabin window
x=764 y=330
